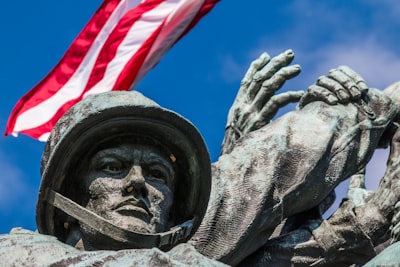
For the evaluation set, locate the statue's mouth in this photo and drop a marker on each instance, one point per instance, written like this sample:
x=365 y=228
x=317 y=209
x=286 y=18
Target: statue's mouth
x=133 y=207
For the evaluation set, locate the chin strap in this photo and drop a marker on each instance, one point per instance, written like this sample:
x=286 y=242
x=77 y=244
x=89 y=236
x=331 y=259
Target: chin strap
x=133 y=239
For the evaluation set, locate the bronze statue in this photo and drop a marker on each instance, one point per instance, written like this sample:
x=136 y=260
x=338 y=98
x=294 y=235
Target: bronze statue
x=127 y=182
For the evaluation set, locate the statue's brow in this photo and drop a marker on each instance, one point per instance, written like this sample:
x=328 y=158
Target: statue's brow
x=157 y=159
x=110 y=153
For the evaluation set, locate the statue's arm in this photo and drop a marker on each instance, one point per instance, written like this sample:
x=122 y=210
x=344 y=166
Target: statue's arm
x=311 y=160
x=373 y=216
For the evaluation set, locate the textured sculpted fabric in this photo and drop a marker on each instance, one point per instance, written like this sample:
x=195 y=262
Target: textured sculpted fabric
x=287 y=167
x=284 y=168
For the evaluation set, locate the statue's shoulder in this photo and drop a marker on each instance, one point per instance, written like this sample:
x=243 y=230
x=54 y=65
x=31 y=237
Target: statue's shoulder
x=21 y=246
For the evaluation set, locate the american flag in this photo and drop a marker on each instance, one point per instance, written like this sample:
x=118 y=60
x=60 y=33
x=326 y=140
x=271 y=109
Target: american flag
x=121 y=42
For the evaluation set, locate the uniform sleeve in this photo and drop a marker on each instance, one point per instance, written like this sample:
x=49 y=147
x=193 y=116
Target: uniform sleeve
x=287 y=167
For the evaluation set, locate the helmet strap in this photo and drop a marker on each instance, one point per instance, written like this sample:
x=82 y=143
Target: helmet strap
x=127 y=239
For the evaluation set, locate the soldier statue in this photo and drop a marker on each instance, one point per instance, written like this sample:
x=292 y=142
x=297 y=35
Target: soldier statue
x=126 y=182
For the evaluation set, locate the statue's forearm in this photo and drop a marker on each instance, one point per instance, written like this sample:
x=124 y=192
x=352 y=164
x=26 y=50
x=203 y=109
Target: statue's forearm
x=344 y=239
x=349 y=236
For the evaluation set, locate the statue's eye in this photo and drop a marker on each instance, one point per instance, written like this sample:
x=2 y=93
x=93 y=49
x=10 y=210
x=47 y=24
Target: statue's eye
x=110 y=166
x=157 y=175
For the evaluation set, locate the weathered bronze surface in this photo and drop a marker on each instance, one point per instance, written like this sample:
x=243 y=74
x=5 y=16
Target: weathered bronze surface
x=127 y=183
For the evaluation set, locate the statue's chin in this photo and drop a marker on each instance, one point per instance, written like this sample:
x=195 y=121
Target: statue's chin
x=96 y=240
x=133 y=222
x=128 y=218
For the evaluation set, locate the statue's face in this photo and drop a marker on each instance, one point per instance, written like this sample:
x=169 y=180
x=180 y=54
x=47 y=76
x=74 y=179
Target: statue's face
x=132 y=187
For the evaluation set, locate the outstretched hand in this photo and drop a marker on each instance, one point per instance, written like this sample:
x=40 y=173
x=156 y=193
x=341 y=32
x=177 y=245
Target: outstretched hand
x=256 y=103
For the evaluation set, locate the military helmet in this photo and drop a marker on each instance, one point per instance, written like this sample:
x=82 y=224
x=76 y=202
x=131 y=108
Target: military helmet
x=99 y=119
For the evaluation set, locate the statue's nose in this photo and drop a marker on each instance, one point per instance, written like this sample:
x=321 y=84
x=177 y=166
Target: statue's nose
x=134 y=182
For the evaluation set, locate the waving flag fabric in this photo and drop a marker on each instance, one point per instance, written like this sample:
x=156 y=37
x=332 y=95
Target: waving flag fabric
x=119 y=45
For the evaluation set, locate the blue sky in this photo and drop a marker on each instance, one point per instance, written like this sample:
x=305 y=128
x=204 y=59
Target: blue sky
x=200 y=76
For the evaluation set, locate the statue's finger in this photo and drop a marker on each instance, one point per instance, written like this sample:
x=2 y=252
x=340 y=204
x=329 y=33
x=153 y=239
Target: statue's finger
x=396 y=216
x=277 y=102
x=270 y=86
x=335 y=87
x=267 y=113
x=355 y=77
x=275 y=64
x=347 y=82
x=318 y=93
x=255 y=66
x=254 y=123
x=245 y=115
x=395 y=232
